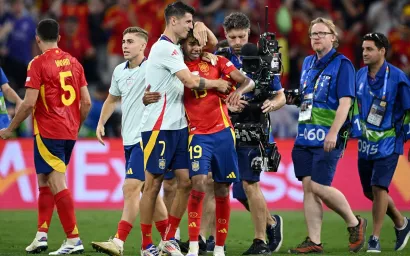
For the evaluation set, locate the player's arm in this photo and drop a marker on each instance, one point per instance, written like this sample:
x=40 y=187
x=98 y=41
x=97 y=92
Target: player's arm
x=85 y=104
x=11 y=95
x=199 y=83
x=247 y=85
x=106 y=112
x=23 y=112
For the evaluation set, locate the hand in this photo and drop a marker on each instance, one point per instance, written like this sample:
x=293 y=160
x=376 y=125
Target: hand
x=5 y=133
x=237 y=108
x=209 y=57
x=150 y=97
x=201 y=33
x=234 y=97
x=223 y=86
x=268 y=106
x=330 y=141
x=100 y=132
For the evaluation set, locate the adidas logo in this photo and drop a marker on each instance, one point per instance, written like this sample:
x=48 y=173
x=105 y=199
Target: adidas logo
x=129 y=171
x=192 y=225
x=224 y=231
x=44 y=225
x=231 y=176
x=75 y=230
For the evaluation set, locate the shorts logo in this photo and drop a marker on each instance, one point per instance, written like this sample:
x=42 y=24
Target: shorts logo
x=231 y=176
x=161 y=164
x=203 y=66
x=222 y=221
x=193 y=214
x=195 y=166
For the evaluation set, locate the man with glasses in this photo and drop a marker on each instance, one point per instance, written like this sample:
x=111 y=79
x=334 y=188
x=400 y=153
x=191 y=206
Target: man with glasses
x=383 y=98
x=327 y=90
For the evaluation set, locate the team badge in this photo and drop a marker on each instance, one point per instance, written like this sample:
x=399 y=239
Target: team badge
x=161 y=164
x=203 y=66
x=130 y=81
x=195 y=166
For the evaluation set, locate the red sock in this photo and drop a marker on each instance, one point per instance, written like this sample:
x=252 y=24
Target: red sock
x=123 y=230
x=45 y=209
x=162 y=227
x=173 y=224
x=194 y=214
x=65 y=209
x=146 y=233
x=222 y=214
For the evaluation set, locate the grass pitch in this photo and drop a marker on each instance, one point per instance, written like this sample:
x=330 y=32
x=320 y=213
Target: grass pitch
x=17 y=230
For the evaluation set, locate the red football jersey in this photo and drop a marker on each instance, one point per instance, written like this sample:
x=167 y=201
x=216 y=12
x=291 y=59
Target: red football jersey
x=206 y=112
x=58 y=76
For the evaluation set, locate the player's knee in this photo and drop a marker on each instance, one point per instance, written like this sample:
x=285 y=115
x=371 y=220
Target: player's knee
x=185 y=185
x=132 y=188
x=221 y=189
x=318 y=189
x=378 y=191
x=56 y=182
x=250 y=187
x=170 y=186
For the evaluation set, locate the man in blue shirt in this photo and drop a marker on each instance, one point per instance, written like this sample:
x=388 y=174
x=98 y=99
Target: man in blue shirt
x=6 y=92
x=383 y=97
x=248 y=191
x=327 y=90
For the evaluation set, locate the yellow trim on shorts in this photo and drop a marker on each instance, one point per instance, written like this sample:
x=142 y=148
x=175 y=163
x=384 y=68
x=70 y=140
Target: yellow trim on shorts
x=149 y=147
x=233 y=136
x=56 y=163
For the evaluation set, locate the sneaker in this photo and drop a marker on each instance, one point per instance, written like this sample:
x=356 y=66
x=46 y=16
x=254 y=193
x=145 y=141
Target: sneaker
x=68 y=248
x=184 y=246
x=258 y=247
x=38 y=245
x=307 y=246
x=171 y=248
x=151 y=250
x=357 y=235
x=373 y=245
x=219 y=251
x=109 y=247
x=275 y=234
x=402 y=236
x=210 y=244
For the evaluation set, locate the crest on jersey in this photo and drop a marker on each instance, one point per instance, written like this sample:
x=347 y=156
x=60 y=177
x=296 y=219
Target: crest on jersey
x=195 y=166
x=130 y=81
x=203 y=66
x=161 y=164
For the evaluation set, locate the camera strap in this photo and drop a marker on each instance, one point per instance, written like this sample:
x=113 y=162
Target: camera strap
x=334 y=55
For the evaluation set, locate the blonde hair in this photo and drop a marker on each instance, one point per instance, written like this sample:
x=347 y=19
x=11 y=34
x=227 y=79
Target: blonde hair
x=136 y=30
x=328 y=23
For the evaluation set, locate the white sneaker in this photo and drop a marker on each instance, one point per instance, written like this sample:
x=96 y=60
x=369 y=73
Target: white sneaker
x=68 y=247
x=170 y=248
x=219 y=251
x=38 y=245
x=152 y=250
x=110 y=247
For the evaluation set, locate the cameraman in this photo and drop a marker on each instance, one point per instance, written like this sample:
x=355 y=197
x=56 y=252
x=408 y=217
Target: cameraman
x=237 y=29
x=327 y=89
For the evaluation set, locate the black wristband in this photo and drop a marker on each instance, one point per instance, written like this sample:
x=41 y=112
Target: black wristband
x=201 y=84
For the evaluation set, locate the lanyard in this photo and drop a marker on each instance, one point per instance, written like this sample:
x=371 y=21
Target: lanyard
x=386 y=76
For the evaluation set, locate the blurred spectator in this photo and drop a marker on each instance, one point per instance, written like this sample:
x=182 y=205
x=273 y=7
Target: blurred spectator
x=19 y=28
x=62 y=9
x=118 y=17
x=380 y=17
x=399 y=38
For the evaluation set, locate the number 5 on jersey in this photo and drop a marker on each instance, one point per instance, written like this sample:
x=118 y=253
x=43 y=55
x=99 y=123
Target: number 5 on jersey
x=67 y=88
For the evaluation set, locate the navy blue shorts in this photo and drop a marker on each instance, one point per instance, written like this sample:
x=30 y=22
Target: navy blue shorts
x=245 y=157
x=166 y=149
x=378 y=172
x=169 y=175
x=215 y=152
x=52 y=154
x=316 y=163
x=134 y=162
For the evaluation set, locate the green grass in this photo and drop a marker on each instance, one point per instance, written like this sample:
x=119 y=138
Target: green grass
x=17 y=229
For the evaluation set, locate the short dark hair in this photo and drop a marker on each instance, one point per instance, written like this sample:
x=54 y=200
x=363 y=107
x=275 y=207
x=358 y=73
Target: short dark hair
x=190 y=36
x=236 y=20
x=379 y=39
x=48 y=30
x=177 y=9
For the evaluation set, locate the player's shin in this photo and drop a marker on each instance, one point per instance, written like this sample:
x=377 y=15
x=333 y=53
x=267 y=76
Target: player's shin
x=222 y=212
x=45 y=209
